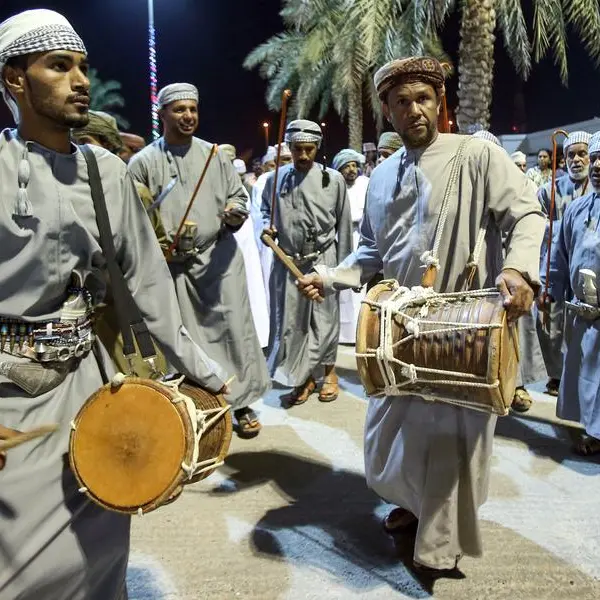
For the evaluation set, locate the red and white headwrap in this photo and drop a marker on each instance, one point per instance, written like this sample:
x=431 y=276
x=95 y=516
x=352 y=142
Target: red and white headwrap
x=33 y=31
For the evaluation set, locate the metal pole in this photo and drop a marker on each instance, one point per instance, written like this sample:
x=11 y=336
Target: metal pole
x=153 y=71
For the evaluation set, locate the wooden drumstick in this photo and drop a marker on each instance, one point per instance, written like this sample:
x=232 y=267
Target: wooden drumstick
x=14 y=440
x=281 y=255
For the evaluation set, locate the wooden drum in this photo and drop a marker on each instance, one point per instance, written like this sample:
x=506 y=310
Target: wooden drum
x=136 y=443
x=455 y=348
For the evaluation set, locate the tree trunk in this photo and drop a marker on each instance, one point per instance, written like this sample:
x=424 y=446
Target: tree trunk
x=476 y=64
x=355 y=119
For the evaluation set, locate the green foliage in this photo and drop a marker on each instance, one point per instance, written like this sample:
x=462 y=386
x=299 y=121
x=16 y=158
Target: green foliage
x=106 y=96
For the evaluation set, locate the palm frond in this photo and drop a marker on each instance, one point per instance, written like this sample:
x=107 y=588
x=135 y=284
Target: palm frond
x=550 y=32
x=584 y=15
x=514 y=31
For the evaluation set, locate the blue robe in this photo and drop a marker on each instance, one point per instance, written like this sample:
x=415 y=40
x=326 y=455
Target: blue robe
x=578 y=247
x=551 y=342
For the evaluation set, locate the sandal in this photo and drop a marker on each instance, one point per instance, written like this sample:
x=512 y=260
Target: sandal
x=552 y=387
x=302 y=393
x=330 y=389
x=247 y=422
x=588 y=446
x=522 y=401
x=398 y=521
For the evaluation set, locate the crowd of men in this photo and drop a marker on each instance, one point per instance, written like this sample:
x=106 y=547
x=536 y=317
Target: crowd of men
x=227 y=315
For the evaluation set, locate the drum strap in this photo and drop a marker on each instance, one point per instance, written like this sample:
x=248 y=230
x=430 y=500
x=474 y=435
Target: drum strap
x=131 y=322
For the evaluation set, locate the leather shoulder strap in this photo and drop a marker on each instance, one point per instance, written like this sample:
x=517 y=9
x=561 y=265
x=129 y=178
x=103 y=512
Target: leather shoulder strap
x=128 y=314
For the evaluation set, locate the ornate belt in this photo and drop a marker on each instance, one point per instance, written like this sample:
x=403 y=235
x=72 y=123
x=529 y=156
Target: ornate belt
x=49 y=341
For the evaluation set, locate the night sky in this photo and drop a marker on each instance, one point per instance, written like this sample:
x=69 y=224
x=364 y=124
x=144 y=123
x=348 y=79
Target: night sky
x=205 y=42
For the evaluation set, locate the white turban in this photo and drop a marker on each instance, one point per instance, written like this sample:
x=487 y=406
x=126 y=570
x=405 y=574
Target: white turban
x=577 y=137
x=594 y=145
x=240 y=166
x=32 y=31
x=346 y=156
x=519 y=156
x=303 y=131
x=285 y=150
x=271 y=155
x=177 y=91
x=482 y=134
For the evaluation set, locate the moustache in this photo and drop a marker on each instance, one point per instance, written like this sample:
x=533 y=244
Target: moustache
x=79 y=98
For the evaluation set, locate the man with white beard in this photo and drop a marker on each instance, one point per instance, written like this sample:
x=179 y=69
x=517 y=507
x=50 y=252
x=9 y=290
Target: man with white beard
x=575 y=266
x=568 y=188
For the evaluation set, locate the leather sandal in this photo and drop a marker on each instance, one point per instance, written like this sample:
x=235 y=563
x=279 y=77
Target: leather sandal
x=330 y=389
x=522 y=401
x=302 y=393
x=398 y=520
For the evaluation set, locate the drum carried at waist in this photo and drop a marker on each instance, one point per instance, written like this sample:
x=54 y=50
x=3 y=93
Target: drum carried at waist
x=456 y=348
x=136 y=442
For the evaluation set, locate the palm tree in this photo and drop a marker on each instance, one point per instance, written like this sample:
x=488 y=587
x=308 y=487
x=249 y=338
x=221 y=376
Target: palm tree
x=331 y=47
x=329 y=52
x=106 y=96
x=481 y=19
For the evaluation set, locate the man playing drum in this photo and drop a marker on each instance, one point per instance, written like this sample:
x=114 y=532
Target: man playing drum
x=55 y=543
x=433 y=459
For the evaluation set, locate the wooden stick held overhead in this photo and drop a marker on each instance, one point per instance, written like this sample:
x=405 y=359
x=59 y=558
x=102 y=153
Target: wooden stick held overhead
x=172 y=247
x=546 y=316
x=287 y=94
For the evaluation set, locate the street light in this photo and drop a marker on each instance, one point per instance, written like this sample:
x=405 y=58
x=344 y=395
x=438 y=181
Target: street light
x=153 y=70
x=266 y=128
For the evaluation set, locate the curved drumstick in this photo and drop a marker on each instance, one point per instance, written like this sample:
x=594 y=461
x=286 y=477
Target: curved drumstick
x=546 y=317
x=10 y=438
x=172 y=247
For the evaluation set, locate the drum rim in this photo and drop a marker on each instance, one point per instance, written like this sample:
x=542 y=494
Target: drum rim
x=176 y=482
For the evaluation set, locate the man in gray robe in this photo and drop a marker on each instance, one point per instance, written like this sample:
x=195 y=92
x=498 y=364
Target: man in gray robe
x=574 y=274
x=209 y=275
x=531 y=362
x=55 y=543
x=313 y=226
x=569 y=187
x=433 y=459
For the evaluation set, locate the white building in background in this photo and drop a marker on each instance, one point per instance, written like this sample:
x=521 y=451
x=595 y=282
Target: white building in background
x=531 y=143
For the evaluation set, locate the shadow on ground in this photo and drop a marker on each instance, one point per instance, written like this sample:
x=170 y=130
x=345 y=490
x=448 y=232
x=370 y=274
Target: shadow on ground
x=332 y=522
x=548 y=439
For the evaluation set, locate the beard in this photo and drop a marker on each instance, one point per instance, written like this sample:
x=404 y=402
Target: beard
x=419 y=139
x=63 y=114
x=579 y=176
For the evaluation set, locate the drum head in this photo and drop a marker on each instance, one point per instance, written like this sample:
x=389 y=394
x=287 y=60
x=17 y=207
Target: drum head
x=128 y=445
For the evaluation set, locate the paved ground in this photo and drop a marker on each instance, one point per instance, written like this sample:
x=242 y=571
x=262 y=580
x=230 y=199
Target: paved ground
x=289 y=517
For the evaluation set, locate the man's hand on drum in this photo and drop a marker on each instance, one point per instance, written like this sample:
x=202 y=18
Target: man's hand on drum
x=311 y=286
x=517 y=293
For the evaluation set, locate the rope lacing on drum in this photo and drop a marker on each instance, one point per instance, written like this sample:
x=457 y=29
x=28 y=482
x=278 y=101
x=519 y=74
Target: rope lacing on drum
x=394 y=306
x=200 y=424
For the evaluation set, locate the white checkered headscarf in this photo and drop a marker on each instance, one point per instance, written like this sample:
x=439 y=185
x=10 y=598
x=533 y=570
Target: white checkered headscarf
x=177 y=91
x=576 y=137
x=303 y=131
x=482 y=134
x=594 y=145
x=32 y=31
